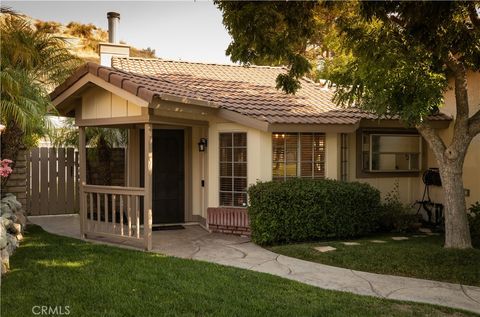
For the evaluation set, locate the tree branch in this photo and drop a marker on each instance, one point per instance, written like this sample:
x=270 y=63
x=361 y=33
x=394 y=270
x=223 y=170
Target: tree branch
x=461 y=96
x=433 y=139
x=472 y=12
x=474 y=124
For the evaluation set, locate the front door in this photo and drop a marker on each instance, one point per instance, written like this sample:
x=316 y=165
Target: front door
x=168 y=177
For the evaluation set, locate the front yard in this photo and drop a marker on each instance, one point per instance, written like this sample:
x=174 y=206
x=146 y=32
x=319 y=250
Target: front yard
x=99 y=280
x=421 y=257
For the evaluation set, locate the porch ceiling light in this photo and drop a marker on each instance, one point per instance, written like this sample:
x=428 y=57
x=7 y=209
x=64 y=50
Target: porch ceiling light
x=202 y=145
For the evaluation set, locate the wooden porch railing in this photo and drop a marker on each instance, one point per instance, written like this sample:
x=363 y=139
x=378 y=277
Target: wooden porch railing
x=113 y=212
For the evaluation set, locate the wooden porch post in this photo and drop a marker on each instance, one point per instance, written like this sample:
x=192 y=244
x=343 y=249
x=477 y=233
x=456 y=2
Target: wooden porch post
x=82 y=151
x=147 y=212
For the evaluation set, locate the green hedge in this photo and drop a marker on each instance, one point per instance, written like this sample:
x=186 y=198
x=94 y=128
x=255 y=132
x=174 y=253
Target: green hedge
x=302 y=210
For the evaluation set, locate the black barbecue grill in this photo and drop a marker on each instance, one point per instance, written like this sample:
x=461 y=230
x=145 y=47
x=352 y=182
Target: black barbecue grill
x=431 y=177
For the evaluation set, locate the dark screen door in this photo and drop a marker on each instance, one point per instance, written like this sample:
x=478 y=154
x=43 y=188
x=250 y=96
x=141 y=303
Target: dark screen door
x=168 y=175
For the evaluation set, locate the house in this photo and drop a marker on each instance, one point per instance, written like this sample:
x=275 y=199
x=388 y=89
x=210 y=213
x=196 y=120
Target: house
x=200 y=134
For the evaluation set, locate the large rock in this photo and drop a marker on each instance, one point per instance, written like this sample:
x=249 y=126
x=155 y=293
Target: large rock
x=3 y=237
x=12 y=223
x=12 y=201
x=17 y=228
x=4 y=261
x=21 y=218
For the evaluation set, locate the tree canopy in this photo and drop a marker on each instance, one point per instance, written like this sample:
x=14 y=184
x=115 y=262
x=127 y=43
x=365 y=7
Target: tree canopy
x=389 y=57
x=32 y=62
x=393 y=58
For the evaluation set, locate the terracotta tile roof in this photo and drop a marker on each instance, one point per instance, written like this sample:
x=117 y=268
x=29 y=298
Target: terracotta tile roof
x=246 y=90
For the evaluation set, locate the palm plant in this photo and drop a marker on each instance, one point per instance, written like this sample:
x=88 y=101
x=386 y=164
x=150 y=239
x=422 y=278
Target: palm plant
x=32 y=63
x=67 y=135
x=100 y=142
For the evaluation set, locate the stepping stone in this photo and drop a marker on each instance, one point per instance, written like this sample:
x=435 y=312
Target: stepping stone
x=425 y=230
x=399 y=238
x=351 y=243
x=419 y=236
x=433 y=233
x=378 y=241
x=326 y=248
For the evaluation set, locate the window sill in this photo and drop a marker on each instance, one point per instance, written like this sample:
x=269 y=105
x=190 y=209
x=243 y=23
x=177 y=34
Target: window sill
x=368 y=174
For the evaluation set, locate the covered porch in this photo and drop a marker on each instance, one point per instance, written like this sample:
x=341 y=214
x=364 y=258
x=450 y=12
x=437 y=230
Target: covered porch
x=157 y=188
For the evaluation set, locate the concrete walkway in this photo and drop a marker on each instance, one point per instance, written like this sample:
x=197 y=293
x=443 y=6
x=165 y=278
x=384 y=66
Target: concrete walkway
x=196 y=243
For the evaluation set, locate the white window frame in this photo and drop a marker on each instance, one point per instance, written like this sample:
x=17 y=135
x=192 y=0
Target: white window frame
x=233 y=192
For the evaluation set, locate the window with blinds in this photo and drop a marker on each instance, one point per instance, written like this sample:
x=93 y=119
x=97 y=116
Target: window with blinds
x=298 y=155
x=233 y=169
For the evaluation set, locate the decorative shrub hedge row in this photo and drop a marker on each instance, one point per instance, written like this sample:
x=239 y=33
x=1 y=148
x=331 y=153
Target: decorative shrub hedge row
x=302 y=210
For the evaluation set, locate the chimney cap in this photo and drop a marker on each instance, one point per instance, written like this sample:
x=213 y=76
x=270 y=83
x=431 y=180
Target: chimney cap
x=113 y=15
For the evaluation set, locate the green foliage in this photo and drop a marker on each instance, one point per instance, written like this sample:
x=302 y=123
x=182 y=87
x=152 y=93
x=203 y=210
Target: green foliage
x=32 y=62
x=396 y=216
x=303 y=210
x=67 y=135
x=387 y=57
x=419 y=257
x=474 y=220
x=381 y=68
x=271 y=33
x=101 y=280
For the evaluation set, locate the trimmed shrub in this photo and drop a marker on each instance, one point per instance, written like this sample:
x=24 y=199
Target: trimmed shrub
x=303 y=209
x=396 y=216
x=474 y=220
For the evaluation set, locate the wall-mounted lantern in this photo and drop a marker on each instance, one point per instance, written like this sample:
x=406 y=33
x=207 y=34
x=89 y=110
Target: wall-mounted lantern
x=202 y=145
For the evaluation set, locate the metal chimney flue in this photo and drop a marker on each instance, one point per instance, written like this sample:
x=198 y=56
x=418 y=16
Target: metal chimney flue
x=113 y=20
x=113 y=48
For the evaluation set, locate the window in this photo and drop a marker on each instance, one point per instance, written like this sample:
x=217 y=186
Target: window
x=233 y=169
x=298 y=155
x=391 y=152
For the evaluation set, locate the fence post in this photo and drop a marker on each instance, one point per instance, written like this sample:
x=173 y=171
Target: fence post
x=83 y=174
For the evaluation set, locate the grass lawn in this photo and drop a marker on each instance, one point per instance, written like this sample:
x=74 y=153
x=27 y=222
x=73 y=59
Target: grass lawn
x=422 y=257
x=99 y=280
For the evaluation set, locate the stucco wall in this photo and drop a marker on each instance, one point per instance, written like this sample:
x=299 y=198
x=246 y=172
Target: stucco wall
x=199 y=173
x=471 y=169
x=259 y=156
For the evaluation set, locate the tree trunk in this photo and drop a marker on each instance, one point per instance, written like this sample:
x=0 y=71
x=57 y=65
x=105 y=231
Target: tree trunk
x=457 y=231
x=450 y=160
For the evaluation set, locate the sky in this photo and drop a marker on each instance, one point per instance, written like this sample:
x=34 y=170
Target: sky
x=186 y=30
